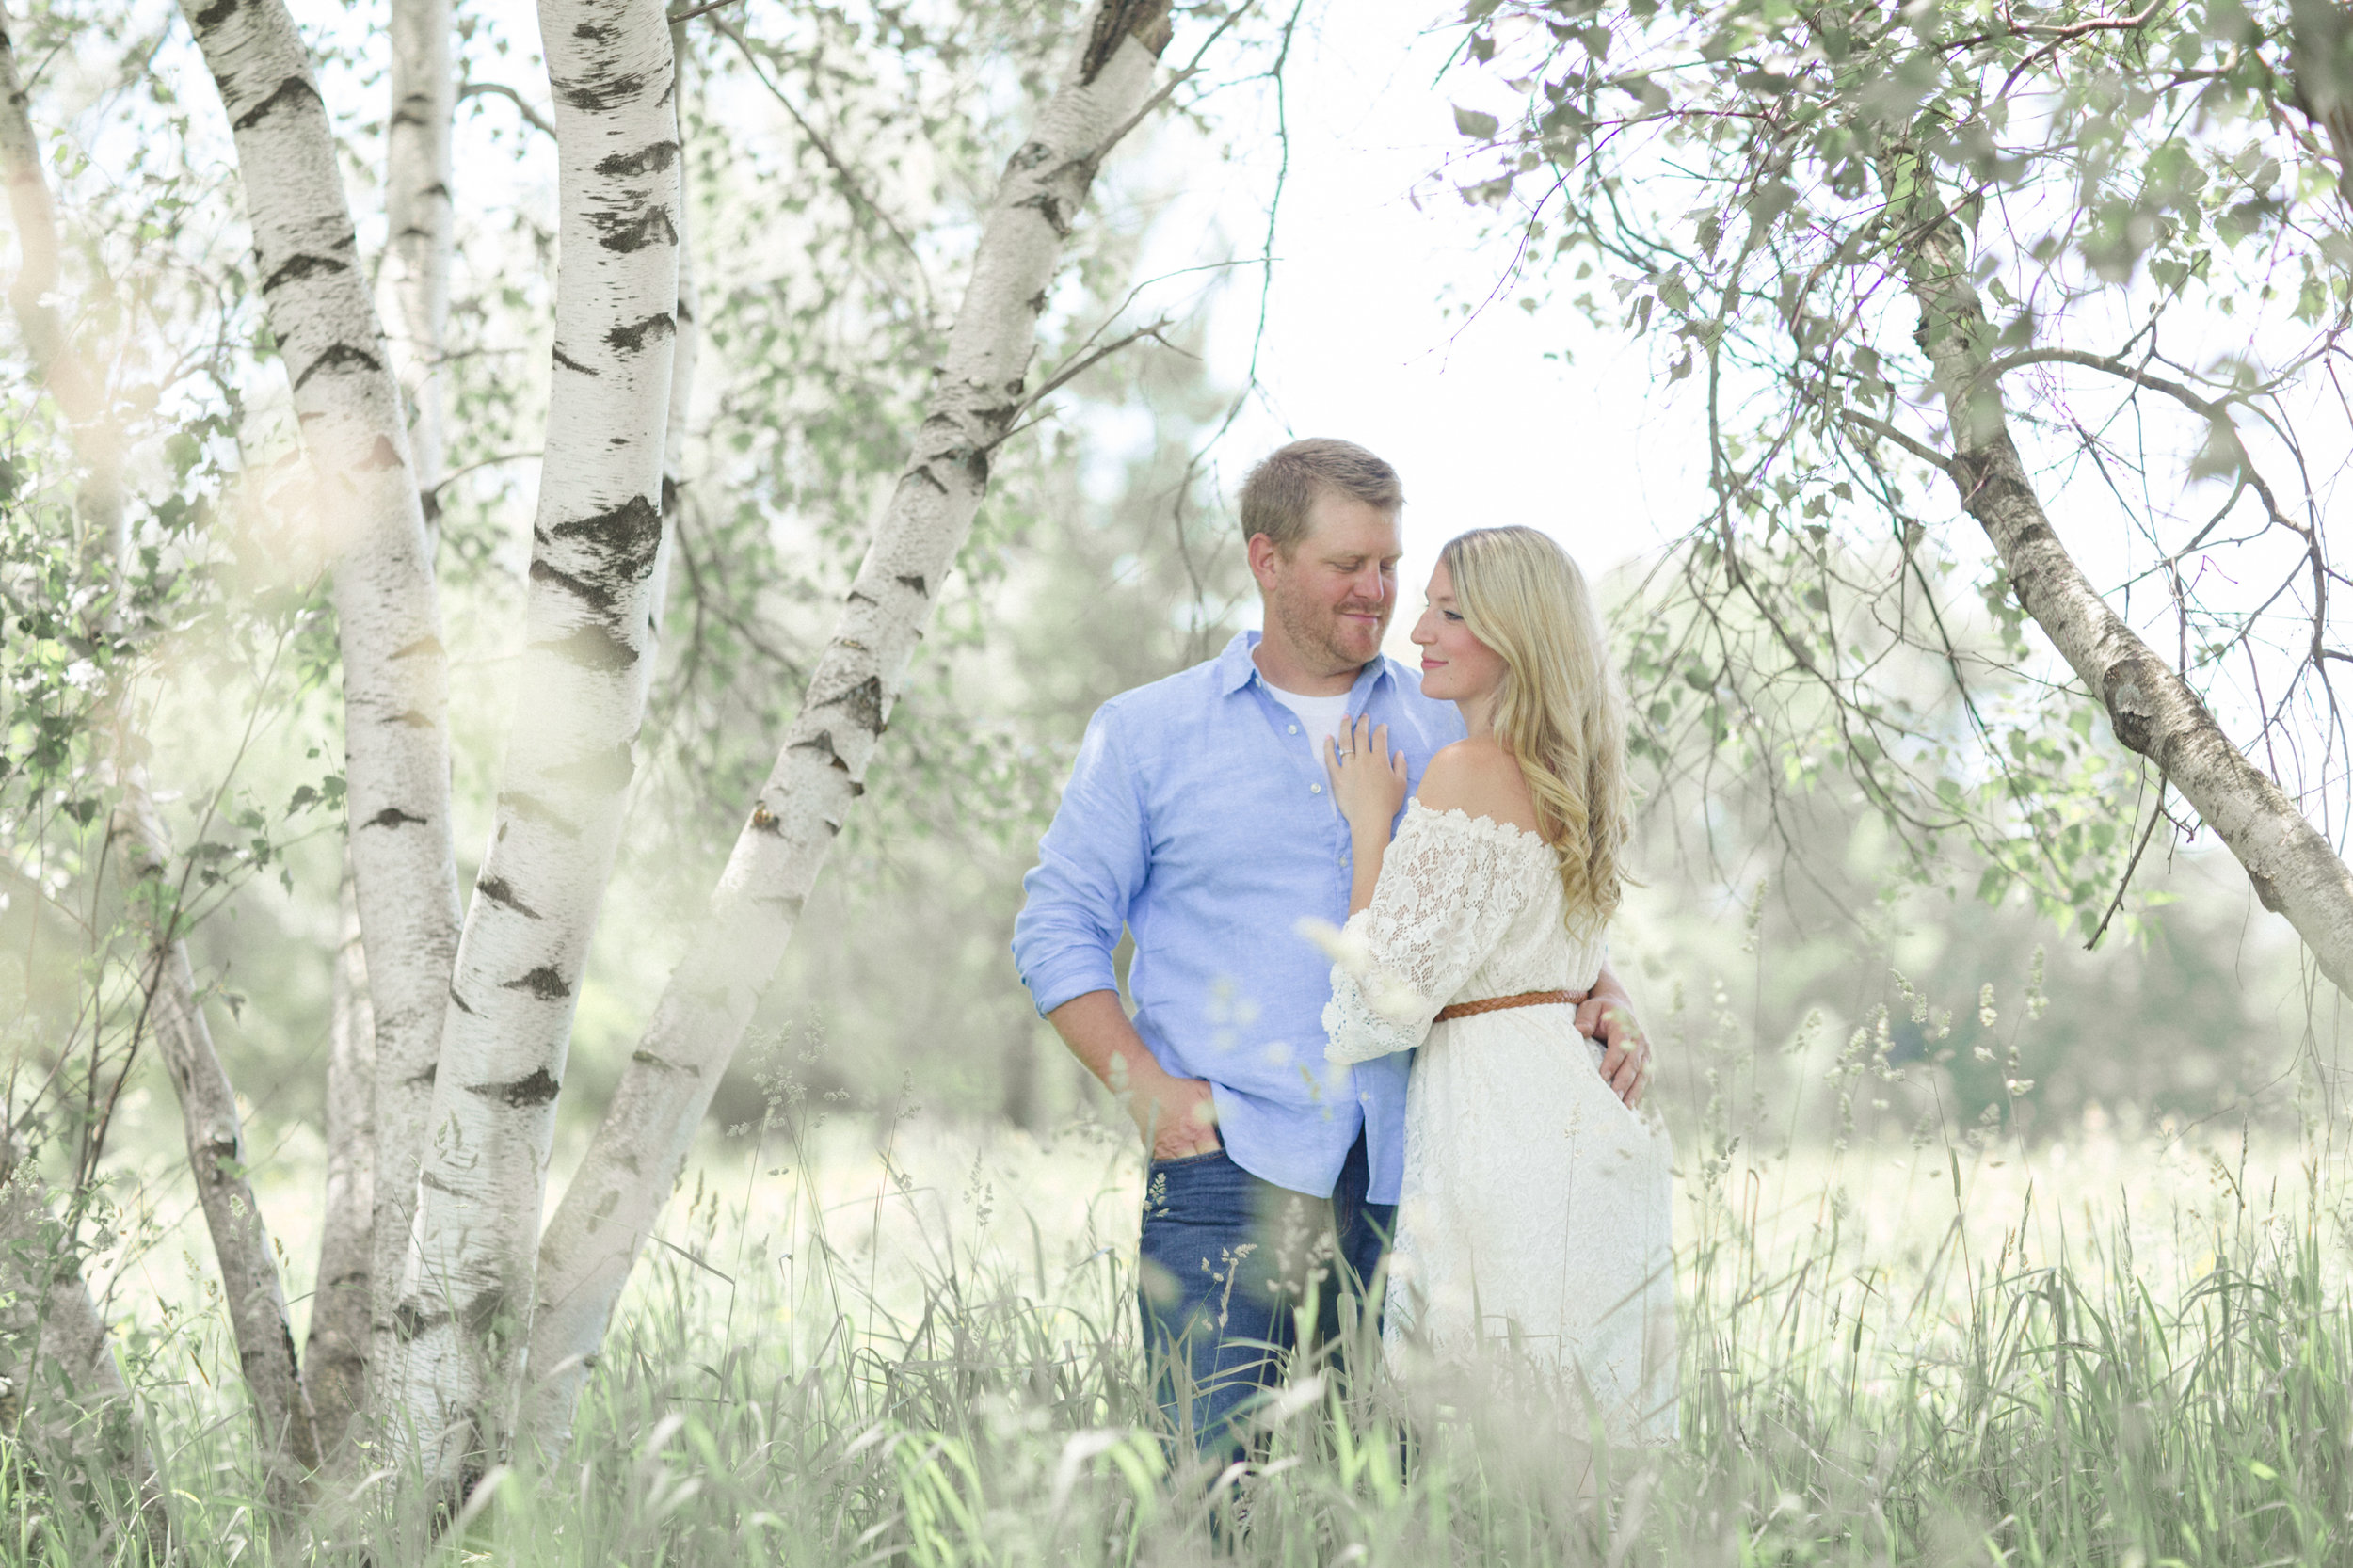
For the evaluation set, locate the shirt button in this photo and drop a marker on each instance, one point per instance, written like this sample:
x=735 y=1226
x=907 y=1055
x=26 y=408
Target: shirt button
x=1294 y=729
x=1315 y=789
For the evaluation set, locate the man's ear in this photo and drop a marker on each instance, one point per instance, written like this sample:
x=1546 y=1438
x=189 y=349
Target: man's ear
x=1264 y=557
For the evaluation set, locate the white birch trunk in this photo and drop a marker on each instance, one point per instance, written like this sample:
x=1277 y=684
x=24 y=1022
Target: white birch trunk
x=465 y=1312
x=214 y=1133
x=615 y=1199
x=395 y=672
x=420 y=213
x=335 y=1356
x=2293 y=870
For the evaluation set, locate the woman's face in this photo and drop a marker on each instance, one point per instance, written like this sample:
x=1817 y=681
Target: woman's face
x=1455 y=665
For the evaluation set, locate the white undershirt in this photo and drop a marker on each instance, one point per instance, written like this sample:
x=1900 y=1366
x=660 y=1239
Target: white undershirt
x=1321 y=717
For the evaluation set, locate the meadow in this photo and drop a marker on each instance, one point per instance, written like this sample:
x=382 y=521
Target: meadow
x=890 y=1337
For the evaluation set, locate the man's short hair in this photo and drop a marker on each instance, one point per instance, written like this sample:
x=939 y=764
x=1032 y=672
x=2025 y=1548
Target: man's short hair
x=1278 y=492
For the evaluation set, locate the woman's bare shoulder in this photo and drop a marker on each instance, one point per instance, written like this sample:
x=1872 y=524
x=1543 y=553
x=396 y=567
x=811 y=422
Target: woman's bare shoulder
x=1479 y=778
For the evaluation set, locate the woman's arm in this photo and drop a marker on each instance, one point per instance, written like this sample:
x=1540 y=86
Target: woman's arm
x=1369 y=784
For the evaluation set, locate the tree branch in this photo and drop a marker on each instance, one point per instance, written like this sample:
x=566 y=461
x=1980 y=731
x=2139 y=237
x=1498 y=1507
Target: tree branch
x=523 y=105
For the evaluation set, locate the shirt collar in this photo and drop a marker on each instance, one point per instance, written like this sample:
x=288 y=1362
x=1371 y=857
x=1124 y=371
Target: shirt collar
x=1236 y=669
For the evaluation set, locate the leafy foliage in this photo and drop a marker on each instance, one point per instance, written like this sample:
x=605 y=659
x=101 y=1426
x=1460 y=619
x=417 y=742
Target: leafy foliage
x=2159 y=229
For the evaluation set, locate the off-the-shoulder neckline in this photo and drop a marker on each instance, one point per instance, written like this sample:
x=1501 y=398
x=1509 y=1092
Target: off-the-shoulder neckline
x=1509 y=830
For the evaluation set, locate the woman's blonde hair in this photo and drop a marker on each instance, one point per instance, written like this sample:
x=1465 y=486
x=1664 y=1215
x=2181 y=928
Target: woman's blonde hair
x=1560 y=711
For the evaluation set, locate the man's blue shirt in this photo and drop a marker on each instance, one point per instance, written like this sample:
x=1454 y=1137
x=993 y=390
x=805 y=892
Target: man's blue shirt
x=1199 y=818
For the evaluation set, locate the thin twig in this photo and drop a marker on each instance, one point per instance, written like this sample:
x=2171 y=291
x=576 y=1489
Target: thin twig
x=850 y=186
x=1882 y=428
x=2146 y=834
x=1071 y=372
x=500 y=89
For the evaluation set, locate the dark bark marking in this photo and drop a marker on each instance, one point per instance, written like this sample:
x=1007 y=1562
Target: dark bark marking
x=570 y=364
x=460 y=1003
x=483 y=1312
x=337 y=355
x=592 y=647
x=765 y=821
x=597 y=96
x=498 y=890
x=296 y=269
x=626 y=235
x=215 y=14
x=925 y=473
x=1037 y=303
x=911 y=581
x=863 y=703
x=382 y=455
x=1048 y=207
x=629 y=538
x=581 y=588
x=393 y=816
x=537 y=1088
x=646 y=160
x=629 y=339
x=1028 y=156
x=411 y=1322
x=542 y=982
x=289 y=94
x=647 y=1058
x=410 y=718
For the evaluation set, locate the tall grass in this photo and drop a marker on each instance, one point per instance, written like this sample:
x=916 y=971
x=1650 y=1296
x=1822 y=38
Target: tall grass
x=921 y=1348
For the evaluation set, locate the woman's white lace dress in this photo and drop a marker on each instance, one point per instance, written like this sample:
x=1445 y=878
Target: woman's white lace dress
x=1536 y=1210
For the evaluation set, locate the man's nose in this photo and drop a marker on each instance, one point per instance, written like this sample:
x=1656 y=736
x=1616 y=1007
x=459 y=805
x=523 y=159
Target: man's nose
x=1372 y=584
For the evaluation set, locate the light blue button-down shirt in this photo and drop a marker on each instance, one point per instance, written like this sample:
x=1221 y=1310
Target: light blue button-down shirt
x=1199 y=818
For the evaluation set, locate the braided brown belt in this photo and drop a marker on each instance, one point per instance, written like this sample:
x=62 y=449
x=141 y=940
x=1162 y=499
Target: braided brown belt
x=1497 y=1004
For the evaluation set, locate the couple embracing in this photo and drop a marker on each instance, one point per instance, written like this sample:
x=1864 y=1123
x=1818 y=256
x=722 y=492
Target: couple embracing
x=1453 y=1104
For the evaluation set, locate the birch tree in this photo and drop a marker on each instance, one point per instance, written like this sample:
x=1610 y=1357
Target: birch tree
x=1810 y=220
x=361 y=1255
x=429 y=1270
x=336 y=1352
x=466 y=1308
x=387 y=619
x=616 y=1197
x=250 y=1288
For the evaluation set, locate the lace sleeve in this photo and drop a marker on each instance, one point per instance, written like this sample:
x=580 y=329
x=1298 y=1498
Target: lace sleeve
x=1444 y=897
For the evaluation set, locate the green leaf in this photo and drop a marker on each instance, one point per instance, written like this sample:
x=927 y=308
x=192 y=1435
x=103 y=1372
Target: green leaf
x=1475 y=124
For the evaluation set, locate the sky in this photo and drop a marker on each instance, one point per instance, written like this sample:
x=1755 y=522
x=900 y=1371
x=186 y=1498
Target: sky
x=1547 y=420
x=1364 y=334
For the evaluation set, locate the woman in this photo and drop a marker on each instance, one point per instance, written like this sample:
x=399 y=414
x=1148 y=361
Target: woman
x=1536 y=1204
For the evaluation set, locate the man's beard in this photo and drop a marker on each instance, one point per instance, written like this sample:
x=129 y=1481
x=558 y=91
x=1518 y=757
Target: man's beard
x=1315 y=631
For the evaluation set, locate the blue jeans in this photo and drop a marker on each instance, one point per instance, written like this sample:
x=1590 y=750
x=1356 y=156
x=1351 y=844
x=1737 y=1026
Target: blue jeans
x=1231 y=1271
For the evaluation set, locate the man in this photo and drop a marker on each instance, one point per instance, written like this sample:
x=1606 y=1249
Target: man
x=1198 y=818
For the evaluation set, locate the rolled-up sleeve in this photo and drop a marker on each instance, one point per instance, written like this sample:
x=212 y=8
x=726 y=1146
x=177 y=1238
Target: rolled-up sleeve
x=1092 y=863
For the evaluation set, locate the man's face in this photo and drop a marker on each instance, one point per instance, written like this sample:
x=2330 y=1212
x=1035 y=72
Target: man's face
x=1332 y=599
